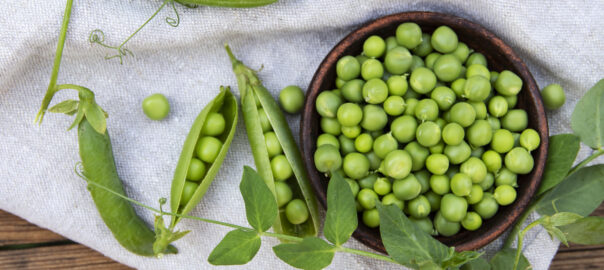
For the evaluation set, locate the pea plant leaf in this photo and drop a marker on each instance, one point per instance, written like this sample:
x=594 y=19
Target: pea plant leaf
x=551 y=224
x=585 y=231
x=460 y=258
x=96 y=117
x=341 y=218
x=68 y=107
x=587 y=120
x=476 y=264
x=561 y=154
x=236 y=248
x=580 y=193
x=260 y=205
x=311 y=253
x=405 y=242
x=504 y=260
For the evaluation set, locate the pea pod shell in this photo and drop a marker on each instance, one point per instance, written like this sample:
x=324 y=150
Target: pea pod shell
x=118 y=214
x=228 y=3
x=225 y=103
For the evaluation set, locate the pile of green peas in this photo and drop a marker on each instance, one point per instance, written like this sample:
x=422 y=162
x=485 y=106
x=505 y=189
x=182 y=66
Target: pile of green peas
x=207 y=149
x=419 y=121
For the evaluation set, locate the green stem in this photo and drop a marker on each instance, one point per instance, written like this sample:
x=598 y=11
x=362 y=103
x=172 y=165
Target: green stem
x=518 y=226
x=283 y=236
x=71 y=86
x=367 y=254
x=143 y=25
x=520 y=238
x=57 y=63
x=593 y=156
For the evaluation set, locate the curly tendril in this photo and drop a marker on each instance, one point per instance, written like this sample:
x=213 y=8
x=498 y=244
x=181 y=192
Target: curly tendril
x=172 y=21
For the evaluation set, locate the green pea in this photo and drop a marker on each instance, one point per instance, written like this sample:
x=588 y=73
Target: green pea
x=264 y=122
x=461 y=52
x=480 y=108
x=291 y=99
x=382 y=186
x=346 y=144
x=503 y=141
x=372 y=69
x=453 y=134
x=384 y=144
x=515 y=120
x=512 y=100
x=281 y=168
x=494 y=75
x=453 y=208
x=492 y=160
x=477 y=88
x=508 y=83
x=444 y=97
x=208 y=148
x=409 y=34
x=476 y=194
x=296 y=212
x=419 y=207
x=397 y=164
x=406 y=188
x=356 y=165
x=498 y=106
x=394 y=105
x=461 y=184
x=350 y=114
x=283 y=193
x=445 y=227
x=505 y=195
x=375 y=91
x=494 y=122
x=480 y=133
x=361 y=58
x=529 y=139
x=374 y=161
x=478 y=70
x=428 y=134
x=416 y=62
x=327 y=104
x=422 y=80
x=434 y=200
x=352 y=90
x=431 y=59
x=444 y=39
x=327 y=139
x=398 y=60
x=391 y=43
x=389 y=199
x=363 y=143
x=354 y=186
x=437 y=164
x=418 y=154
x=187 y=192
x=426 y=110
x=519 y=161
x=458 y=153
x=411 y=104
x=339 y=82
x=440 y=184
x=371 y=218
x=553 y=96
x=463 y=113
x=156 y=106
x=476 y=58
x=327 y=158
x=351 y=132
x=374 y=46
x=368 y=181
x=423 y=177
x=397 y=85
x=196 y=171
x=214 y=125
x=475 y=169
x=506 y=177
x=272 y=143
x=457 y=86
x=447 y=68
x=437 y=148
x=487 y=207
x=472 y=221
x=374 y=118
x=331 y=126
x=367 y=198
x=348 y=68
x=403 y=128
x=425 y=47
x=488 y=181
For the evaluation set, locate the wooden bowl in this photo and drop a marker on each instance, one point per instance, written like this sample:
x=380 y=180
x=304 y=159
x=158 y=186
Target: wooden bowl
x=499 y=56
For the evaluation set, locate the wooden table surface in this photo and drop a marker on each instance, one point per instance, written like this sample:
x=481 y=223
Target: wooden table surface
x=27 y=246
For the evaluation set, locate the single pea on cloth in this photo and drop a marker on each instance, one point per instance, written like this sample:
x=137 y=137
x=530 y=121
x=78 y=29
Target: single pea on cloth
x=188 y=65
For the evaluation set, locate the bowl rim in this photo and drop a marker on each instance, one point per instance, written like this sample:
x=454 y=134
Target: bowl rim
x=307 y=140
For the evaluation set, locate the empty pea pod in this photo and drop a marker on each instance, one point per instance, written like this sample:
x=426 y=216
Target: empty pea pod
x=251 y=89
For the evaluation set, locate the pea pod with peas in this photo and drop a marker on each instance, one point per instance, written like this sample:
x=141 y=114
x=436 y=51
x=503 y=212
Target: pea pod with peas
x=276 y=155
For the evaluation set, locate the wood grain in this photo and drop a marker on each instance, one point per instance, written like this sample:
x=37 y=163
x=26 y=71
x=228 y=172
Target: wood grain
x=16 y=231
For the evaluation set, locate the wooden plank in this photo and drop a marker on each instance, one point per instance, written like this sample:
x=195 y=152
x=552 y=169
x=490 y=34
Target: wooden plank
x=16 y=231
x=72 y=256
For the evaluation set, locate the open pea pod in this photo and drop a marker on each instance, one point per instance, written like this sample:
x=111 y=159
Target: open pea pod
x=253 y=96
x=225 y=104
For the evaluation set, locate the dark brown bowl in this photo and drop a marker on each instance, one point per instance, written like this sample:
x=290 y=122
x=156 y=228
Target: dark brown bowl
x=500 y=57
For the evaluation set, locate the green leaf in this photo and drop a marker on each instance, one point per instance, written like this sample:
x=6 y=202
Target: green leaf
x=341 y=218
x=236 y=248
x=563 y=218
x=96 y=117
x=586 y=231
x=476 y=264
x=580 y=193
x=260 y=206
x=587 y=120
x=164 y=236
x=311 y=253
x=504 y=260
x=460 y=258
x=561 y=154
x=405 y=242
x=68 y=107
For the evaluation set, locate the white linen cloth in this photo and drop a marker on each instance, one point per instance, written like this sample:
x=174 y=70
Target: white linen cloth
x=561 y=41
